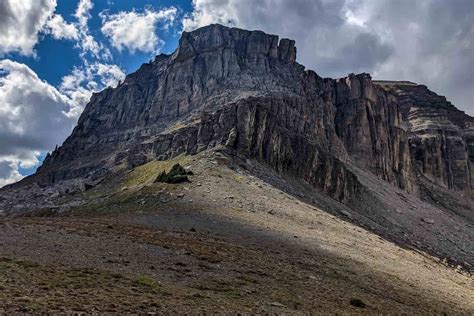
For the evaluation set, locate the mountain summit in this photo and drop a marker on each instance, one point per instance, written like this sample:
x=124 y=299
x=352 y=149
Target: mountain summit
x=392 y=157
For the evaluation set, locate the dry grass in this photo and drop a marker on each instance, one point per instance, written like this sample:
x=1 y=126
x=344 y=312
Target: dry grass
x=147 y=173
x=30 y=287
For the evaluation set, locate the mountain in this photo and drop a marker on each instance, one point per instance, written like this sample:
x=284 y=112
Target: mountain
x=391 y=157
x=244 y=90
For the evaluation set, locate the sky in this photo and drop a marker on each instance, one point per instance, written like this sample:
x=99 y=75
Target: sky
x=55 y=53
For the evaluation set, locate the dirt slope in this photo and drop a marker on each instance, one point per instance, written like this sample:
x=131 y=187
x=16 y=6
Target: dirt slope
x=224 y=242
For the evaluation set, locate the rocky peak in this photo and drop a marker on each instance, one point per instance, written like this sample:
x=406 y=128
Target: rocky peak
x=249 y=45
x=358 y=86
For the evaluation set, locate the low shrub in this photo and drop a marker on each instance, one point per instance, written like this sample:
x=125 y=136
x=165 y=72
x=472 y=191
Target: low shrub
x=177 y=174
x=357 y=303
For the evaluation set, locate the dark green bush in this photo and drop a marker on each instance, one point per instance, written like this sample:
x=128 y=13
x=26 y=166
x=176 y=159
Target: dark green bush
x=357 y=303
x=177 y=174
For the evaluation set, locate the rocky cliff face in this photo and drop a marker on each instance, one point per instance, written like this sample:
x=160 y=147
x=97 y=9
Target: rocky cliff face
x=243 y=90
x=405 y=133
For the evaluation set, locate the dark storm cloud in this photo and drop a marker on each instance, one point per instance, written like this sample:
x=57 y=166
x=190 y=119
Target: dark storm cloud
x=5 y=170
x=362 y=54
x=433 y=44
x=326 y=41
x=6 y=14
x=426 y=41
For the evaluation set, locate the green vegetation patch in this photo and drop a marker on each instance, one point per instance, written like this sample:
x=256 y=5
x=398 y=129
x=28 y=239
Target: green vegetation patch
x=147 y=172
x=177 y=174
x=146 y=281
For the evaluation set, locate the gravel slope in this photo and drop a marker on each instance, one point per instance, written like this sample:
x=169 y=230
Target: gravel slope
x=224 y=242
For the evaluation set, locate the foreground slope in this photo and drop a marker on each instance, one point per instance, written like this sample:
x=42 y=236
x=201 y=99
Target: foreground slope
x=226 y=242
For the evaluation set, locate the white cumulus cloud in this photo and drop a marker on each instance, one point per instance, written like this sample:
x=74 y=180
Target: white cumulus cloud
x=60 y=29
x=87 y=42
x=20 y=23
x=83 y=12
x=35 y=116
x=83 y=81
x=137 y=31
x=32 y=118
x=9 y=171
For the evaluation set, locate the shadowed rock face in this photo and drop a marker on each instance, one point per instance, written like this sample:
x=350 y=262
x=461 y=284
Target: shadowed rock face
x=355 y=140
x=402 y=132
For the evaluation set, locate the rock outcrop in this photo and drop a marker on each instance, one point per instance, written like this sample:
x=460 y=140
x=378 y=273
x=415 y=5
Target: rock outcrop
x=243 y=92
x=402 y=132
